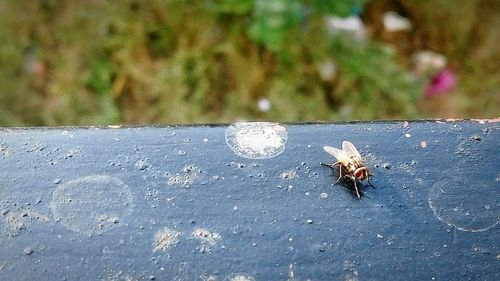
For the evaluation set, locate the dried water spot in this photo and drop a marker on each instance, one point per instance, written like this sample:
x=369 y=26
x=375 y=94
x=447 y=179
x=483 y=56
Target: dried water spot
x=207 y=239
x=471 y=208
x=239 y=277
x=256 y=140
x=166 y=239
x=93 y=204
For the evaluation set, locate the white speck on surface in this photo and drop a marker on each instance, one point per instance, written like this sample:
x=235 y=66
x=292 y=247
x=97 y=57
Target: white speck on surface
x=239 y=277
x=323 y=195
x=291 y=174
x=380 y=236
x=407 y=135
x=256 y=140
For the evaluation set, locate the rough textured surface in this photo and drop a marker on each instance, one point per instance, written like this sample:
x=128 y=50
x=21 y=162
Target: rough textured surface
x=177 y=203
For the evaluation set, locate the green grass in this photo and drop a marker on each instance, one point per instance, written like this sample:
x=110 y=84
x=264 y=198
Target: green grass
x=99 y=62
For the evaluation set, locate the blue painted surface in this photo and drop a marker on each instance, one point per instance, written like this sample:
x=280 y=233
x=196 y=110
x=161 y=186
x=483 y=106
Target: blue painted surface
x=432 y=216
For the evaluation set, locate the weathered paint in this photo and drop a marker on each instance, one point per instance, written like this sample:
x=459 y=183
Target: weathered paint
x=209 y=214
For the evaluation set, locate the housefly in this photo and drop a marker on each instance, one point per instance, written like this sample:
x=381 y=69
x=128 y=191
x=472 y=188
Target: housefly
x=350 y=164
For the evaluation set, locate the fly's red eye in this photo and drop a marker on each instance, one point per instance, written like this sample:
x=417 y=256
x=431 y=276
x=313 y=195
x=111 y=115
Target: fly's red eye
x=358 y=173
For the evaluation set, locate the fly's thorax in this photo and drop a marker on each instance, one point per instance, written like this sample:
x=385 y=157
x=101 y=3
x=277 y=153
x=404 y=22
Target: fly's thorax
x=344 y=162
x=354 y=163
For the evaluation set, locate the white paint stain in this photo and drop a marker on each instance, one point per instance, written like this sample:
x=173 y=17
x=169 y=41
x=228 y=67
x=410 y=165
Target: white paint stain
x=465 y=207
x=256 y=140
x=16 y=221
x=92 y=204
x=165 y=239
x=185 y=178
x=207 y=239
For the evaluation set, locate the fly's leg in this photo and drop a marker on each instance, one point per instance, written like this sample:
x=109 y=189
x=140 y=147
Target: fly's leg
x=356 y=187
x=368 y=180
x=332 y=167
x=340 y=171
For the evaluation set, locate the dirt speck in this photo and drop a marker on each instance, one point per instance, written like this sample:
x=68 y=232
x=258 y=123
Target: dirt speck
x=15 y=222
x=288 y=174
x=423 y=144
x=476 y=138
x=28 y=250
x=166 y=239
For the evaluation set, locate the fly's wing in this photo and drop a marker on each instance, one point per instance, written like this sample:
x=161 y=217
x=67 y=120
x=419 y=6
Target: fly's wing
x=340 y=155
x=349 y=148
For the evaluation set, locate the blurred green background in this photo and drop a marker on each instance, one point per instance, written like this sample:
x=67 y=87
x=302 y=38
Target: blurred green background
x=180 y=61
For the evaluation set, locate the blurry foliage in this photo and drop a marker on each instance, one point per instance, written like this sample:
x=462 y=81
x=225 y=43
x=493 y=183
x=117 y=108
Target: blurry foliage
x=179 y=61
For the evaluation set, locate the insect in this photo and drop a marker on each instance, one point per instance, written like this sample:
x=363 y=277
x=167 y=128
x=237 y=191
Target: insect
x=349 y=160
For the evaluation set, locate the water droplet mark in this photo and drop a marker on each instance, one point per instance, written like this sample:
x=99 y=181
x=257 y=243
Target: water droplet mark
x=256 y=140
x=92 y=204
x=466 y=207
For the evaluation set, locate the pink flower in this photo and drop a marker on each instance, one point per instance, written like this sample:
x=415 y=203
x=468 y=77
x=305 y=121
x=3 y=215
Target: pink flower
x=441 y=83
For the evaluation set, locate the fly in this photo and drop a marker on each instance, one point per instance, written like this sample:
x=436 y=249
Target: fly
x=349 y=160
